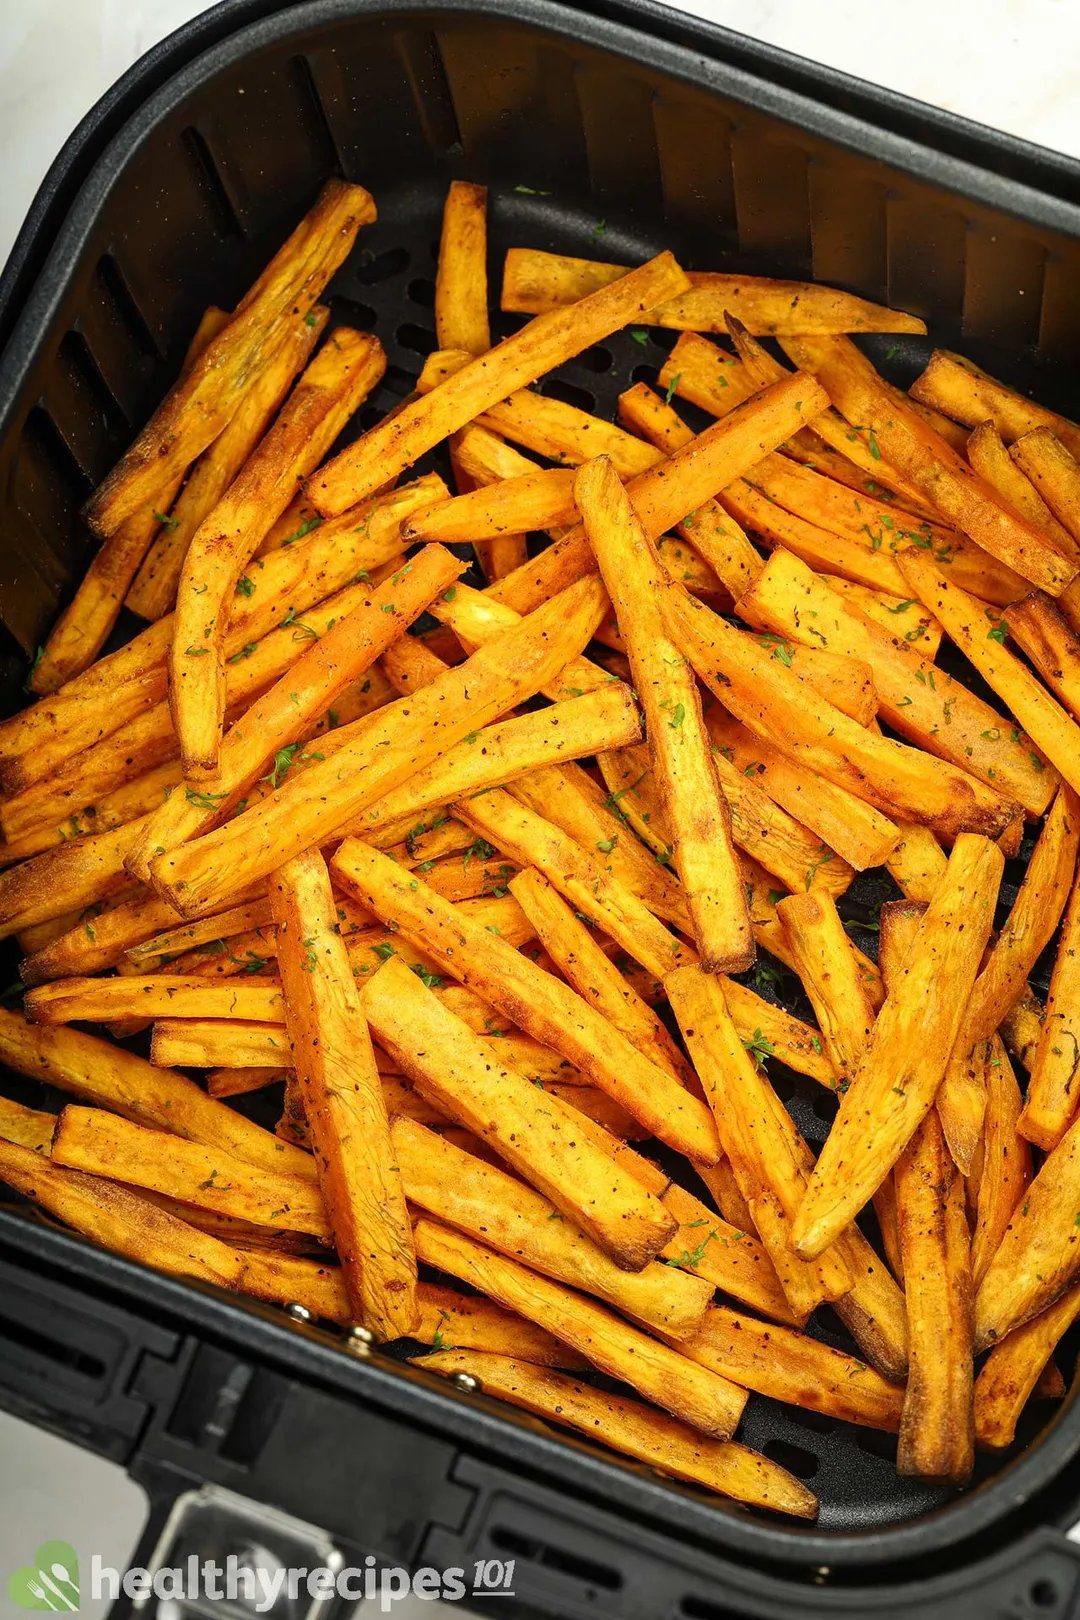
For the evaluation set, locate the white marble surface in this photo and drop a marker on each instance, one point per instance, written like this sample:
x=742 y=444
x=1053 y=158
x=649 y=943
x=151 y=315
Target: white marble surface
x=1010 y=63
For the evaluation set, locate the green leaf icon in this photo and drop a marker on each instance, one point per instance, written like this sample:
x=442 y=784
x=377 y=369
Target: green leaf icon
x=50 y=1582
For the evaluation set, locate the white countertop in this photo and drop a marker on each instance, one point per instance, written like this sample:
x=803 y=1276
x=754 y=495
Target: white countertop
x=1010 y=63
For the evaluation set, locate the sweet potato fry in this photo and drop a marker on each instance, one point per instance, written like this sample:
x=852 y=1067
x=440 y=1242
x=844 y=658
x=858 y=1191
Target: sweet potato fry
x=792 y=1367
x=527 y=1126
x=461 y=314
x=152 y=591
x=591 y=973
x=395 y=444
x=85 y=624
x=541 y=500
x=937 y=1428
x=909 y=1048
x=831 y=976
x=902 y=616
x=358 y=1175
x=923 y=703
x=239 y=1082
x=1051 y=1095
x=199 y=407
x=894 y=778
x=102 y=1144
x=1044 y=633
x=534 y=1000
x=105 y=1075
x=664 y=494
x=849 y=829
x=1048 y=459
x=689 y=1392
x=227 y=1043
x=501 y=1211
x=1005 y=1163
x=330 y=390
x=451 y=1321
x=403 y=738
x=907 y=443
x=761 y=1145
x=960 y=389
x=701 y=823
x=634 y=1429
x=534 y=282
x=118 y=1219
x=1038 y=1257
x=1013 y=1369
x=160 y=995
x=1054 y=733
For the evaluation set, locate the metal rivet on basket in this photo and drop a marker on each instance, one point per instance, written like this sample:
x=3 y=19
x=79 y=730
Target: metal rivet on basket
x=299 y=1313
x=466 y=1383
x=359 y=1340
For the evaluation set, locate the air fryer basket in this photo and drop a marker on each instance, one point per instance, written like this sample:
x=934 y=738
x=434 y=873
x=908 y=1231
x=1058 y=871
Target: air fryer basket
x=605 y=142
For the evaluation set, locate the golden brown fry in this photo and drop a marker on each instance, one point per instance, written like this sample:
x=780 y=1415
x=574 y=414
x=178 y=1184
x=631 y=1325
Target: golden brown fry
x=1052 y=1095
x=540 y=500
x=701 y=823
x=1045 y=634
x=227 y=1043
x=526 y=1125
x=922 y=703
x=757 y=1137
x=100 y=1143
x=849 y=829
x=591 y=973
x=937 y=1428
x=689 y=1392
x=118 y=1219
x=634 y=1429
x=902 y=616
x=1048 y=459
x=449 y=1321
x=158 y=996
x=395 y=444
x=333 y=386
x=200 y=406
x=534 y=1000
x=534 y=282
x=1013 y=1369
x=963 y=391
x=1022 y=1027
x=792 y=1367
x=359 y=1178
x=981 y=640
x=831 y=976
x=1039 y=1254
x=908 y=443
x=152 y=591
x=991 y=460
x=403 y=738
x=461 y=313
x=1005 y=1165
x=909 y=1048
x=496 y=1208
x=238 y=1082
x=894 y=777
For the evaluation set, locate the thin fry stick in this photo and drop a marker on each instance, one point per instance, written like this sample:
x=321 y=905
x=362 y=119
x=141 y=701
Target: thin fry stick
x=461 y=315
x=704 y=855
x=963 y=391
x=689 y=1392
x=1013 y=1369
x=534 y=282
x=937 y=1428
x=1044 y=633
x=1051 y=1096
x=909 y=1048
x=343 y=1101
x=394 y=445
x=1005 y=1168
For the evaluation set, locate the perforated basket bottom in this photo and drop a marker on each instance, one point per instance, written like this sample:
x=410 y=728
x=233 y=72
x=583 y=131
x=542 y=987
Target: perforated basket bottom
x=387 y=287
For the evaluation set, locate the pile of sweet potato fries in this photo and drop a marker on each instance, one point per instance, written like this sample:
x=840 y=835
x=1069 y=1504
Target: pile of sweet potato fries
x=475 y=893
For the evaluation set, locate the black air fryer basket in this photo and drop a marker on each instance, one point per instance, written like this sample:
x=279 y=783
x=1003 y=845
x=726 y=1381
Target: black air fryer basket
x=610 y=134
